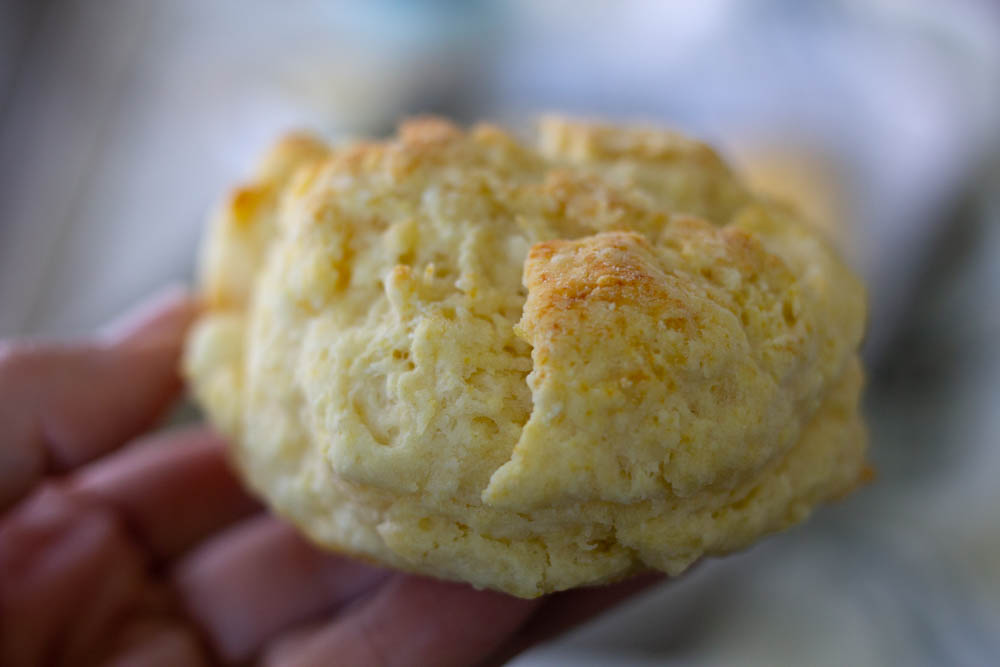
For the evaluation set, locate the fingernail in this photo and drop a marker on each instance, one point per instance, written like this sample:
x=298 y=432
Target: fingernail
x=164 y=315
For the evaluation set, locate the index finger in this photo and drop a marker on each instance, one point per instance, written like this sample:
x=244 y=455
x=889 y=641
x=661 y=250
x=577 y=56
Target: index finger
x=65 y=404
x=411 y=621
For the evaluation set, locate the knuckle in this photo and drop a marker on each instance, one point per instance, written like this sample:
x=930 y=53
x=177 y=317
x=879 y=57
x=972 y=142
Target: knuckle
x=50 y=520
x=57 y=548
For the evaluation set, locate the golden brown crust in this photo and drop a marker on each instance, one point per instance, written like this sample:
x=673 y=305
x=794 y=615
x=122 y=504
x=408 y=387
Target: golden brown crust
x=245 y=225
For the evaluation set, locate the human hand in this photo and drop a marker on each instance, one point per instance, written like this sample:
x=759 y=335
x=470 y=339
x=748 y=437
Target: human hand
x=121 y=546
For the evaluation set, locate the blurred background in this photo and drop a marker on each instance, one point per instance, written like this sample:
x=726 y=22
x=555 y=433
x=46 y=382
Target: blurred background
x=122 y=122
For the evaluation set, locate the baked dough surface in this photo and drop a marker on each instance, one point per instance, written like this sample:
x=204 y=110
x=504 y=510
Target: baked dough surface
x=528 y=367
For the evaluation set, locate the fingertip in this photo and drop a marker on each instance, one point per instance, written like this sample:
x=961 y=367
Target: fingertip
x=566 y=610
x=63 y=404
x=163 y=317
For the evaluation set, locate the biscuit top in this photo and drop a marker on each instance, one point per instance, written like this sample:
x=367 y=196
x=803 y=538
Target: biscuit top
x=459 y=317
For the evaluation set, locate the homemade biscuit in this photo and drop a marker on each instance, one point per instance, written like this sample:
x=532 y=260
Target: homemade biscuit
x=528 y=367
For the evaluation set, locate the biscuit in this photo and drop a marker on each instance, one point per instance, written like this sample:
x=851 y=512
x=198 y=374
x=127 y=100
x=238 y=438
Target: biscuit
x=528 y=367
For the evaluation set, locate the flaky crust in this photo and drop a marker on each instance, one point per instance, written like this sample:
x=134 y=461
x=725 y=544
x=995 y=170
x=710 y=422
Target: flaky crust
x=528 y=368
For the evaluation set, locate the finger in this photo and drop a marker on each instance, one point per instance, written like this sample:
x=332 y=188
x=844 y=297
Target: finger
x=156 y=642
x=63 y=405
x=67 y=574
x=157 y=317
x=412 y=621
x=564 y=611
x=171 y=489
x=259 y=578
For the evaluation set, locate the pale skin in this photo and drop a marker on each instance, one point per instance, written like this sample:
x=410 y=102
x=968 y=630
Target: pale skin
x=124 y=546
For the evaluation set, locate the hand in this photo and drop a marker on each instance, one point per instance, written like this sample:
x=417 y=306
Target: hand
x=120 y=546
